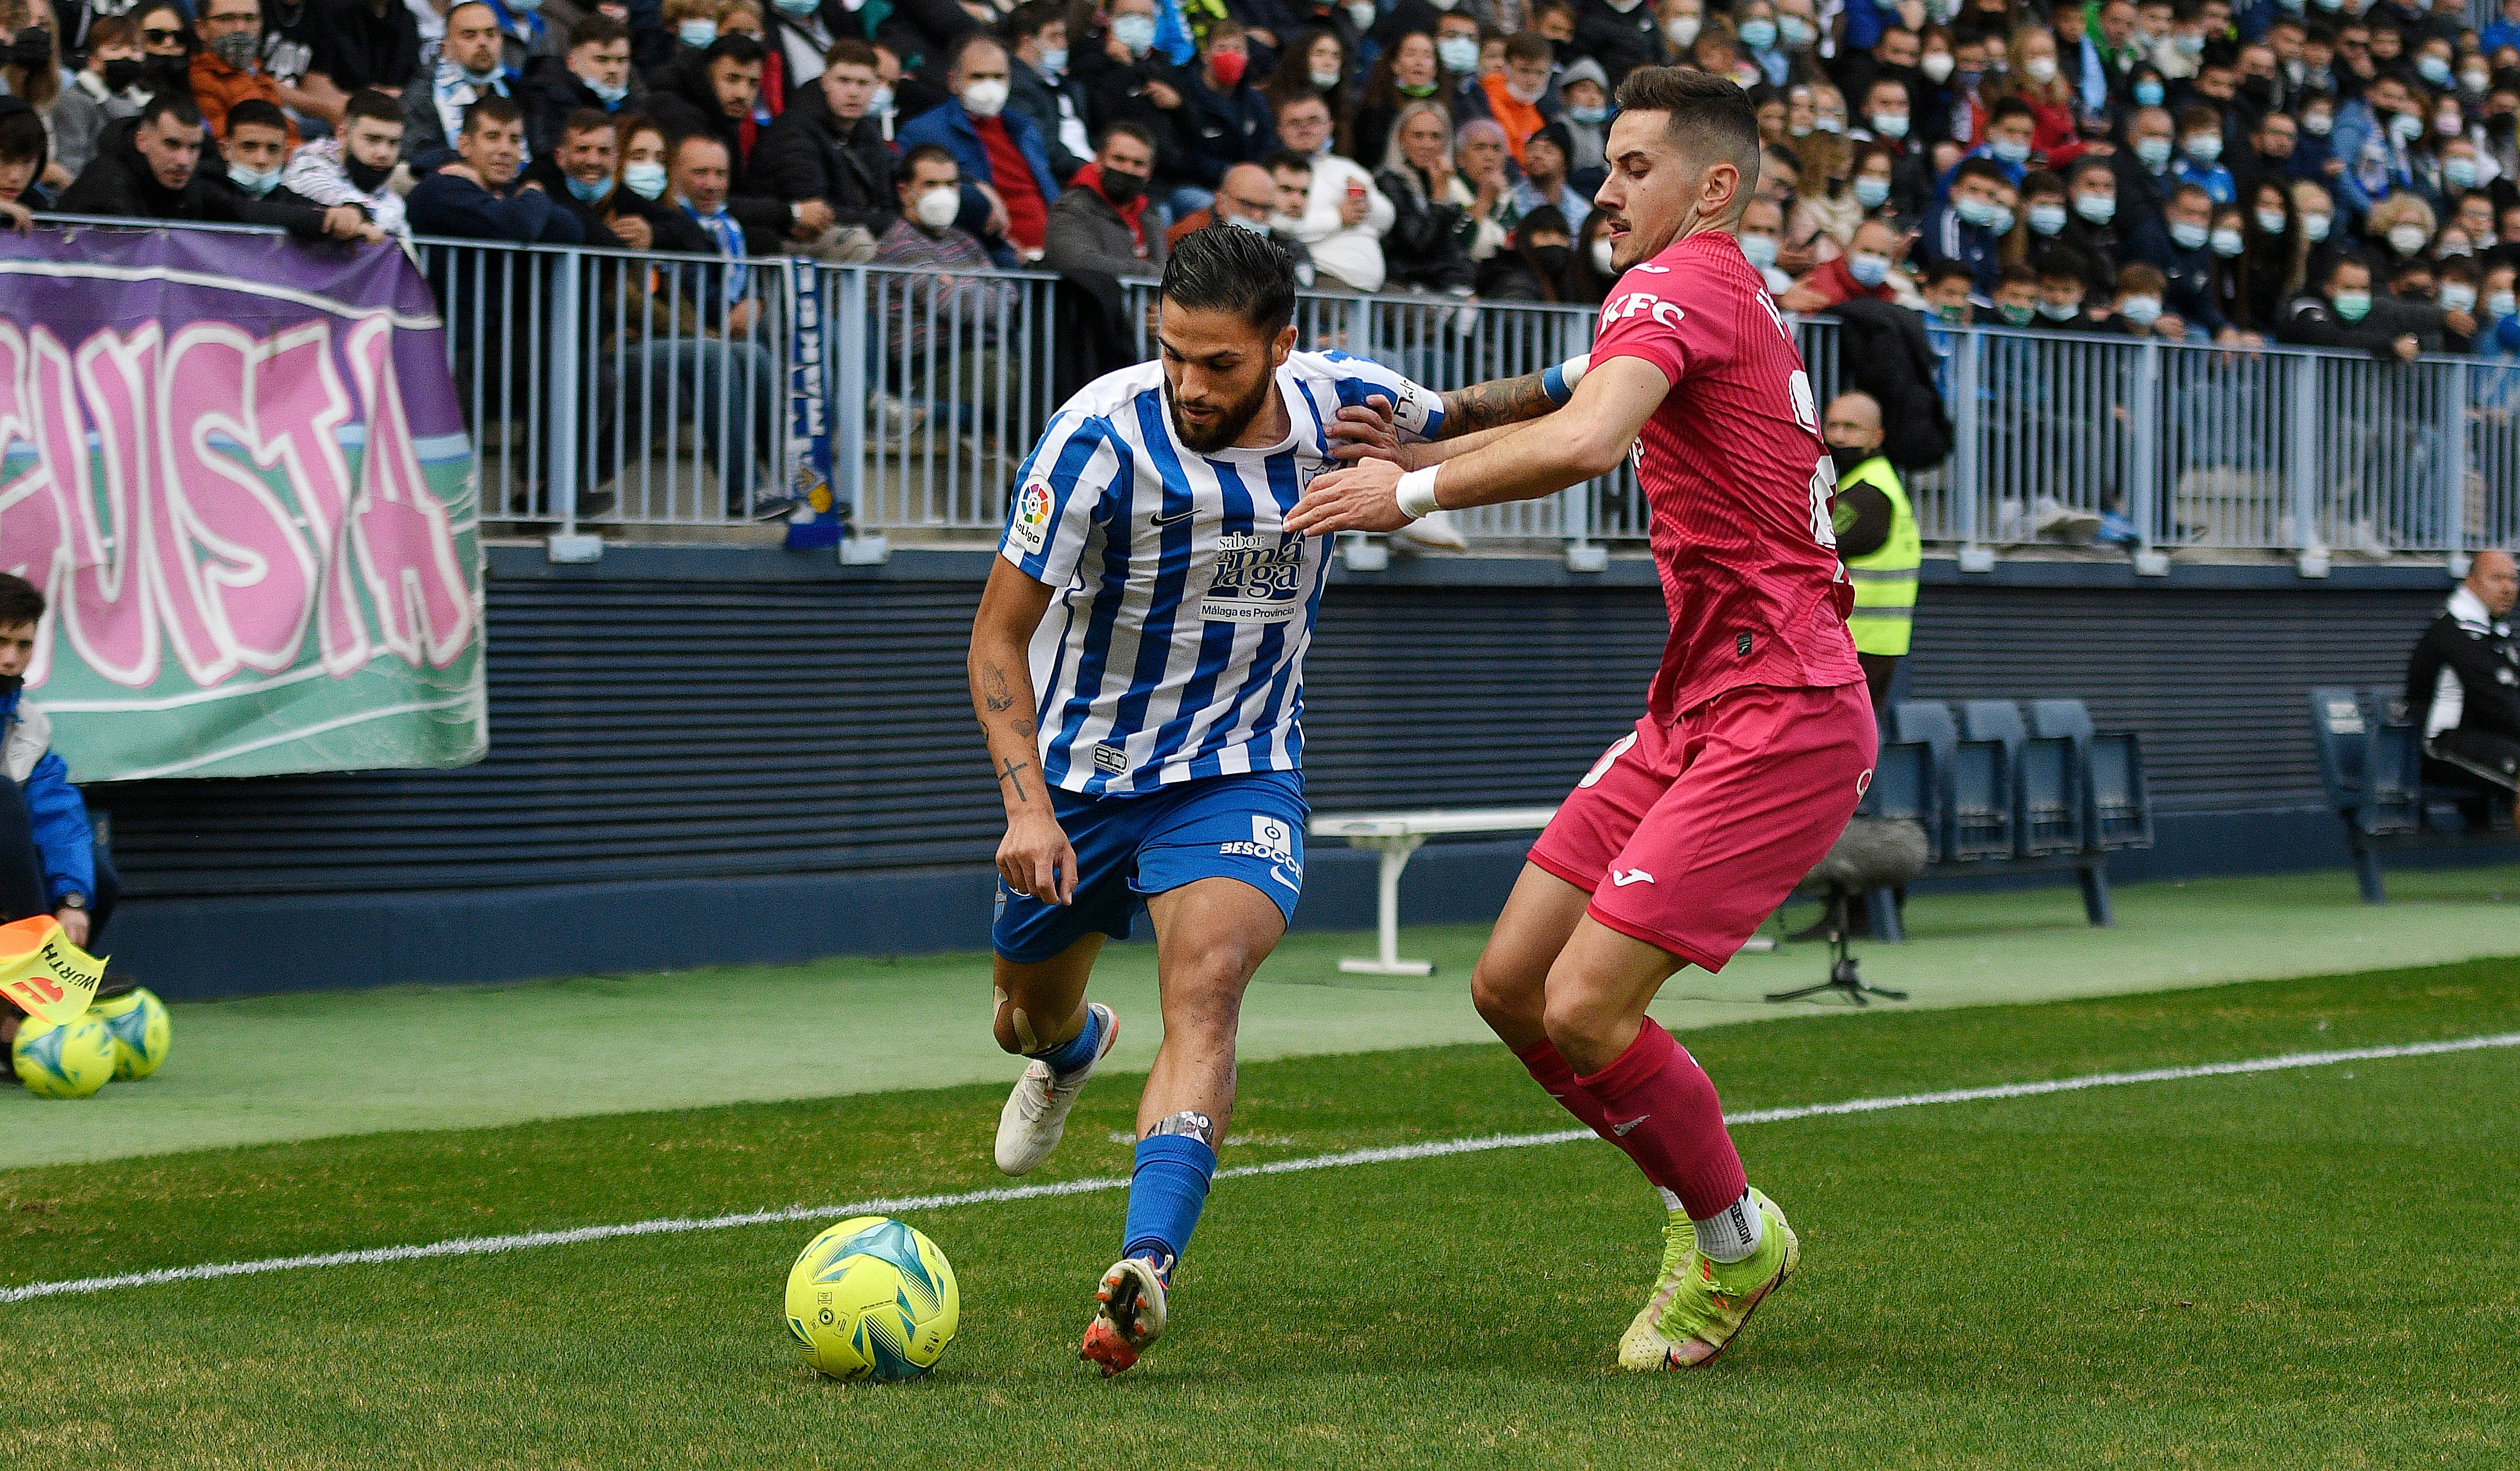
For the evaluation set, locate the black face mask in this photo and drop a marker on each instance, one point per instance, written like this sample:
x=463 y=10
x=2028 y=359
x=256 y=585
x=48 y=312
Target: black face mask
x=1120 y=188
x=32 y=48
x=2257 y=90
x=166 y=71
x=2501 y=125
x=1846 y=456
x=11 y=684
x=364 y=178
x=125 y=73
x=1552 y=259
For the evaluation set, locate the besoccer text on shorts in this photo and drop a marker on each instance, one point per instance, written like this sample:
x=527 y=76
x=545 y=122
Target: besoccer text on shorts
x=1757 y=734
x=1137 y=664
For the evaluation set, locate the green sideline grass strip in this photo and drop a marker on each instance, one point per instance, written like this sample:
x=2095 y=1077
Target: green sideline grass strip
x=467 y=1246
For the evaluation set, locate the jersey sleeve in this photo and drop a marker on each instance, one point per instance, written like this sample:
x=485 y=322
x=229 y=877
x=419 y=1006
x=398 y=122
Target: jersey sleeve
x=1677 y=325
x=1417 y=410
x=1079 y=460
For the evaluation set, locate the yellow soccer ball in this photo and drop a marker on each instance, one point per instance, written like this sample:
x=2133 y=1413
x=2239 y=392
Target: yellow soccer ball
x=871 y=1299
x=62 y=1062
x=142 y=1031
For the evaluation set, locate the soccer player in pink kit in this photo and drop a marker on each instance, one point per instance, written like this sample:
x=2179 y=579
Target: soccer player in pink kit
x=1758 y=737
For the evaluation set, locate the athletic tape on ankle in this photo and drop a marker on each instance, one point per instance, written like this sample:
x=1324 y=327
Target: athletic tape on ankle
x=1559 y=382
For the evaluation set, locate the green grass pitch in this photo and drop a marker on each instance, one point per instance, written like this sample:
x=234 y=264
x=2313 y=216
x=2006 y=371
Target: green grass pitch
x=2301 y=1269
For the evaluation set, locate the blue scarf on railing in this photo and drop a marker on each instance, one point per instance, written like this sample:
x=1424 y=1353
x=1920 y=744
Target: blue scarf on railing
x=729 y=236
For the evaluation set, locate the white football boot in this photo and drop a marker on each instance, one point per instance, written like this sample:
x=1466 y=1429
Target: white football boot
x=1036 y=1112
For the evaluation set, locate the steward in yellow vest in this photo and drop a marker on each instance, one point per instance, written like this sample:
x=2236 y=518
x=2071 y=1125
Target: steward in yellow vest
x=1876 y=538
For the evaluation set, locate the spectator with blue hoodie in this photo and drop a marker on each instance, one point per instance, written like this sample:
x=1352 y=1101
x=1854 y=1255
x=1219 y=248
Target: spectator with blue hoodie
x=1968 y=228
x=2009 y=128
x=2371 y=136
x=2189 y=273
x=1005 y=169
x=2200 y=156
x=48 y=858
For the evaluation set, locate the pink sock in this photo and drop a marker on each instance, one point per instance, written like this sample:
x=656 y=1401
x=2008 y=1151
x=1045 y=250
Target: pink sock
x=1553 y=1074
x=1661 y=1108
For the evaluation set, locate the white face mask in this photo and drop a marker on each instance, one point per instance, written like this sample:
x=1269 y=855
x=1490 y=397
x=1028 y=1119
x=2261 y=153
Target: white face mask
x=2313 y=227
x=2042 y=68
x=2406 y=240
x=1325 y=80
x=1937 y=65
x=1682 y=30
x=1605 y=260
x=986 y=98
x=2458 y=296
x=937 y=208
x=2502 y=304
x=1760 y=249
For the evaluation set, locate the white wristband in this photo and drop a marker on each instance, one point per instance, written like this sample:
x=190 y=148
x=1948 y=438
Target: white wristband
x=1416 y=493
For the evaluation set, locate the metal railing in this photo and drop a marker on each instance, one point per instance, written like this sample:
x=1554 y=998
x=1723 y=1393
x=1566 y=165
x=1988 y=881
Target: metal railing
x=607 y=388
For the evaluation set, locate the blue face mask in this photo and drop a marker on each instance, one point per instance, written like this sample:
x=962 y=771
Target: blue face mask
x=587 y=191
x=645 y=178
x=1976 y=211
x=1758 y=35
x=2154 y=152
x=1869 y=193
x=1867 y=269
x=1138 y=33
x=256 y=182
x=2009 y=149
x=1054 y=62
x=697 y=35
x=801 y=9
x=2147 y=94
x=1588 y=115
x=524 y=7
x=605 y=94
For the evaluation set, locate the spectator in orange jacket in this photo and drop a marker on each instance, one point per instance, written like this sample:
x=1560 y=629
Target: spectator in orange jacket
x=228 y=68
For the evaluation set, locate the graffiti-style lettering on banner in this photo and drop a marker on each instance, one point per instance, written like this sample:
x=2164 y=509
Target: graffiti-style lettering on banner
x=235 y=467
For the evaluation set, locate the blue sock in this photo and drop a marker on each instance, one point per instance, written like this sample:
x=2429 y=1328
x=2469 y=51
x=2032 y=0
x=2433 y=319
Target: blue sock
x=1166 y=1194
x=1076 y=1051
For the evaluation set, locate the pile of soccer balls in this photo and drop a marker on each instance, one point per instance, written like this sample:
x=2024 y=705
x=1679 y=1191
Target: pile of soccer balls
x=120 y=1036
x=873 y=1298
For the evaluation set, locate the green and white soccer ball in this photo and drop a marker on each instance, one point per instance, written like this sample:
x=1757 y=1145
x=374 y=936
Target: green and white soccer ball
x=142 y=1031
x=871 y=1299
x=69 y=1061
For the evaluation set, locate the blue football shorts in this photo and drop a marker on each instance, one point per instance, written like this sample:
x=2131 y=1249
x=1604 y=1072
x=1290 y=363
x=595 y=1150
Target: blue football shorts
x=1248 y=826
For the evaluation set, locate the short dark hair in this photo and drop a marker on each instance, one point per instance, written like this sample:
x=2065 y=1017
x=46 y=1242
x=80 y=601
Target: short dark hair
x=853 y=51
x=1286 y=158
x=1946 y=270
x=2185 y=192
x=972 y=38
x=20 y=601
x=585 y=120
x=596 y=28
x=2062 y=263
x=2016 y=275
x=491 y=109
x=112 y=30
x=22 y=136
x=375 y=105
x=735 y=46
x=2011 y=107
x=1711 y=118
x=170 y=105
x=1239 y=271
x=2344 y=260
x=1032 y=19
x=2199 y=118
x=1981 y=167
x=674 y=147
x=255 y=112
x=926 y=152
x=1126 y=129
x=1528 y=46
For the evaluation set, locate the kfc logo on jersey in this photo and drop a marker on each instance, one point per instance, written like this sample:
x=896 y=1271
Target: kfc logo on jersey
x=1619 y=308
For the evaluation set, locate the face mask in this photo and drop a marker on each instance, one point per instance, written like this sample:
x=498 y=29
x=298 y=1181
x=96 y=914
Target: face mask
x=1256 y=227
x=879 y=100
x=1524 y=95
x=366 y=178
x=237 y=51
x=1829 y=123
x=1459 y=54
x=1936 y=64
x=1120 y=188
x=2458 y=296
x=2016 y=316
x=2407 y=240
x=2047 y=219
x=588 y=190
x=256 y=182
x=1361 y=13
x=985 y=99
x=2060 y=311
x=2228 y=243
x=2191 y=46
x=2147 y=93
x=2317 y=124
x=937 y=208
x=1795 y=31
x=1760 y=249
x=1890 y=125
x=2098 y=208
x=1551 y=260
x=2271 y=221
x=2187 y=234
x=2040 y=69
x=1053 y=60
x=2461 y=171
x=2313 y=227
x=2204 y=148
x=123 y=74
x=2502 y=304
x=1976 y=211
x=2009 y=150
x=1845 y=457
x=2475 y=81
x=2446 y=124
x=1867 y=269
x=2152 y=152
x=1871 y=191
x=1967 y=81
x=645 y=178
x=1604 y=259
x=1589 y=116
x=697 y=35
x=1136 y=33
x=2001 y=222
x=606 y=94
x=1758 y=35
x=799 y=9
x=2432 y=70
x=1955 y=313
x=1798 y=131
x=1682 y=30
x=2143 y=311
x=1227 y=66
x=1329 y=79
x=524 y=7
x=1446 y=6
x=2352 y=306
x=2405 y=127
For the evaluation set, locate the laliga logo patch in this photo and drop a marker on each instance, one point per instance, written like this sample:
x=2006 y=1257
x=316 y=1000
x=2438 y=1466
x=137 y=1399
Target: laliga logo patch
x=1031 y=528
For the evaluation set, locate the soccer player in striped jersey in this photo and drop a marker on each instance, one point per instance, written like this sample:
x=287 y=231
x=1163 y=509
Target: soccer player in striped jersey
x=1758 y=736
x=1138 y=666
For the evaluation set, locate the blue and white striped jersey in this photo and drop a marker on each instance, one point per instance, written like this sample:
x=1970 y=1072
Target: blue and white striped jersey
x=1175 y=647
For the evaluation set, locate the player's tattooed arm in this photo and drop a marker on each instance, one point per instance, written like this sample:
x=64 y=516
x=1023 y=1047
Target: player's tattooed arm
x=1492 y=405
x=1035 y=856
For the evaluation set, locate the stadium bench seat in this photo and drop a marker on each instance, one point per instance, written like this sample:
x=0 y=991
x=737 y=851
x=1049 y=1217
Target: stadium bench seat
x=1395 y=836
x=2371 y=766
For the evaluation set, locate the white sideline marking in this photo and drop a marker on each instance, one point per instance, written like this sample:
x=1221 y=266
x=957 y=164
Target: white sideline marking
x=474 y=1246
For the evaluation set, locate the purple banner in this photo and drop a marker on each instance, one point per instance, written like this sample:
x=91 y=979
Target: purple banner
x=235 y=467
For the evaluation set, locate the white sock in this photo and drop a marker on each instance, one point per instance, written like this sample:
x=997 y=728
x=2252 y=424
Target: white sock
x=1670 y=1198
x=1731 y=1233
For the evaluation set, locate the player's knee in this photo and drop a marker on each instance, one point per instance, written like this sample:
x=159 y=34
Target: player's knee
x=1578 y=1025
x=1505 y=998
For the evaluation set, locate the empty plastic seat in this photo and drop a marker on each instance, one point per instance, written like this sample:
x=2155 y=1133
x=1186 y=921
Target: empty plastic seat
x=1928 y=723
x=1981 y=823
x=2120 y=809
x=1903 y=787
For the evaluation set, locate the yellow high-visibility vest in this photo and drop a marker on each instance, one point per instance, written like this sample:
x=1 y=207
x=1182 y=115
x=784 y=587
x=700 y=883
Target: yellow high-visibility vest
x=1885 y=578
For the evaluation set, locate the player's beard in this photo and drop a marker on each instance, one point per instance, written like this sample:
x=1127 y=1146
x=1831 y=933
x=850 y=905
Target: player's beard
x=1227 y=426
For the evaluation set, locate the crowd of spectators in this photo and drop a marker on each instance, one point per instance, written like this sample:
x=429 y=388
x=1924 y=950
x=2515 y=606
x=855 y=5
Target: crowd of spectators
x=2336 y=172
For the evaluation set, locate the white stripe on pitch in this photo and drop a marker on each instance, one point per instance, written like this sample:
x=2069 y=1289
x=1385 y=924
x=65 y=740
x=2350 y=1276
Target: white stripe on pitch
x=474 y=1246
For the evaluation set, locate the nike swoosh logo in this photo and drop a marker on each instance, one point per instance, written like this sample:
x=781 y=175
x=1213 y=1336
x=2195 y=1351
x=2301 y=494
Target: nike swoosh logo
x=1633 y=875
x=1621 y=1130
x=1280 y=874
x=1160 y=519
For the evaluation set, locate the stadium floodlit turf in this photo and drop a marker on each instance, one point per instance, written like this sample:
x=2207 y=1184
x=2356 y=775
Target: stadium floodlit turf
x=2304 y=1267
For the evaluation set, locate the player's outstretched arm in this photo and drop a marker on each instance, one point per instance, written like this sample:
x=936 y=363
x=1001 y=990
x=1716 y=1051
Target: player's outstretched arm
x=1588 y=437
x=1035 y=856
x=1496 y=404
